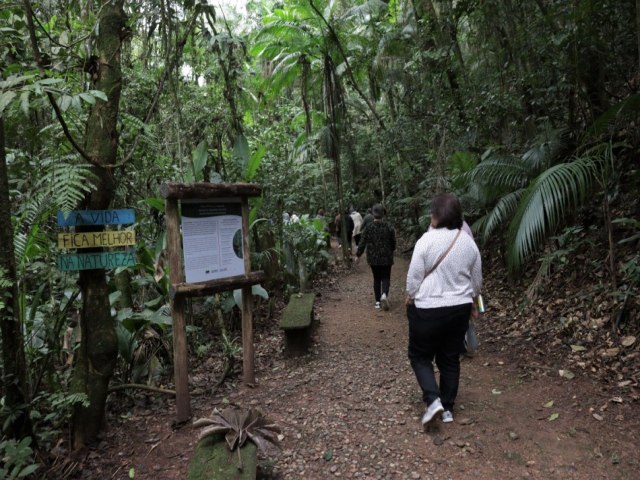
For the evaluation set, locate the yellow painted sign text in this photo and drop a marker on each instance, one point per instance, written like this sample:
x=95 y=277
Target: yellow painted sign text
x=119 y=238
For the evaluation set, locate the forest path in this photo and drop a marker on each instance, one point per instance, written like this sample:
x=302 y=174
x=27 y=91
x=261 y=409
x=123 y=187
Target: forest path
x=351 y=408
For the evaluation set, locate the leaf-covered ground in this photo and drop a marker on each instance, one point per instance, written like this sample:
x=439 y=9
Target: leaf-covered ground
x=530 y=405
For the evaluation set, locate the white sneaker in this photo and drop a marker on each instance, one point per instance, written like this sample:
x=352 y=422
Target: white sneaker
x=447 y=417
x=432 y=410
x=384 y=301
x=377 y=305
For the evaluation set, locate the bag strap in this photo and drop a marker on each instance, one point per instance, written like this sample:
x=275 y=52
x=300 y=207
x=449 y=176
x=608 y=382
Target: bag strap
x=444 y=254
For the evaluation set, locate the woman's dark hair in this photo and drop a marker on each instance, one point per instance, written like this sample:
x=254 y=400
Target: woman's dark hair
x=378 y=211
x=447 y=210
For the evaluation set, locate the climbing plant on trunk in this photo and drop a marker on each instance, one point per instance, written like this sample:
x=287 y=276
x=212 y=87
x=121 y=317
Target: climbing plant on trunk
x=96 y=357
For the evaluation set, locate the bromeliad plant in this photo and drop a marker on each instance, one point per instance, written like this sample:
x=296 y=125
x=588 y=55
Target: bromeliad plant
x=237 y=426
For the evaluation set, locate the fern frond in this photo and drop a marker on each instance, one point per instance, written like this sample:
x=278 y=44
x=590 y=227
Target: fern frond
x=67 y=184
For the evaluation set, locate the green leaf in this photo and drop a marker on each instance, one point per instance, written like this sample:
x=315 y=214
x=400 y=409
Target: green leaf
x=5 y=99
x=155 y=202
x=549 y=404
x=578 y=348
x=259 y=291
x=50 y=81
x=254 y=163
x=241 y=151
x=24 y=102
x=199 y=157
x=28 y=470
x=553 y=417
x=99 y=94
x=64 y=103
x=88 y=98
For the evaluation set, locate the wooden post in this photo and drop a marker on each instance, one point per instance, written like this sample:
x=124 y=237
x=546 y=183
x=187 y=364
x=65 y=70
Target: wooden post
x=180 y=291
x=180 y=361
x=248 y=374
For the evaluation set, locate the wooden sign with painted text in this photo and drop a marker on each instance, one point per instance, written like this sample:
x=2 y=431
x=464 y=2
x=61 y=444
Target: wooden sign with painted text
x=91 y=261
x=110 y=239
x=96 y=217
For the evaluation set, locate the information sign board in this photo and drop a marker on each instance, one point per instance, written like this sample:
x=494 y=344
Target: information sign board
x=212 y=239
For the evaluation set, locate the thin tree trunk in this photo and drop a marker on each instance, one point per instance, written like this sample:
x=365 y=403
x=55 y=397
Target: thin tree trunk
x=14 y=372
x=638 y=30
x=98 y=350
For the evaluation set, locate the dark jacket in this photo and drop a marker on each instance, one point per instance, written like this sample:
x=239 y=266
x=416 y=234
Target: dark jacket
x=368 y=220
x=379 y=239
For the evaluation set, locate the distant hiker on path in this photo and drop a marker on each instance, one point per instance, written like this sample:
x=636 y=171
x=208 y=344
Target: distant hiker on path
x=379 y=240
x=445 y=275
x=357 y=226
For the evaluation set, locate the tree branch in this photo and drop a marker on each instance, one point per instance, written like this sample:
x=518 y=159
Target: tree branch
x=165 y=75
x=349 y=70
x=38 y=58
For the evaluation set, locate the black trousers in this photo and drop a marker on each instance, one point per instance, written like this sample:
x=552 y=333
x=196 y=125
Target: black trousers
x=381 y=280
x=437 y=333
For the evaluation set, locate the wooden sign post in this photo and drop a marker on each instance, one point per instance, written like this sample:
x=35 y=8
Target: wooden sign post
x=214 y=243
x=73 y=240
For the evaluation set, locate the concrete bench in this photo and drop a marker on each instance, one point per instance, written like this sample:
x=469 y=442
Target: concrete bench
x=296 y=322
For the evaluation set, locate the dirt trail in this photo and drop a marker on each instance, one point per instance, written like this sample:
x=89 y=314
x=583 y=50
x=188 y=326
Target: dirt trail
x=351 y=408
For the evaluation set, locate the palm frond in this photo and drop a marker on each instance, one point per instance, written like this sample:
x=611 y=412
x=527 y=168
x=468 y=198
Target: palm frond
x=546 y=151
x=547 y=201
x=501 y=212
x=501 y=172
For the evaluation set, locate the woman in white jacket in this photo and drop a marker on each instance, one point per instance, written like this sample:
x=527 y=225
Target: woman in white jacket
x=445 y=275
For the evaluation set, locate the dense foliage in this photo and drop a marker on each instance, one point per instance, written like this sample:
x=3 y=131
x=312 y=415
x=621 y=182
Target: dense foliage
x=527 y=110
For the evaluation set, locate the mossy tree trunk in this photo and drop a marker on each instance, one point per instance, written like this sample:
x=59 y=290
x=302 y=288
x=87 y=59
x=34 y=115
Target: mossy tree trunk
x=99 y=346
x=14 y=371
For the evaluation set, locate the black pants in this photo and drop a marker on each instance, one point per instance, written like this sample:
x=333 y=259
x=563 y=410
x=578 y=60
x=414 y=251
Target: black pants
x=437 y=333
x=381 y=280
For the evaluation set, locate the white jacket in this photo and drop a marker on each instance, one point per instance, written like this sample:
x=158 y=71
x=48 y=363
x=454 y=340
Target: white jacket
x=458 y=278
x=357 y=223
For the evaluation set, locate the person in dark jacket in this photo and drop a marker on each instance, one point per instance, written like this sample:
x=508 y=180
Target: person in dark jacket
x=379 y=241
x=367 y=220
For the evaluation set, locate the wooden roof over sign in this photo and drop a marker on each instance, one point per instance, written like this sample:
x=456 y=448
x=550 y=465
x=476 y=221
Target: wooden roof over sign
x=204 y=190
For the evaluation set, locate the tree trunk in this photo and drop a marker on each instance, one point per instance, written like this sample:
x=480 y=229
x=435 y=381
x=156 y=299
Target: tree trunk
x=99 y=346
x=638 y=31
x=14 y=373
